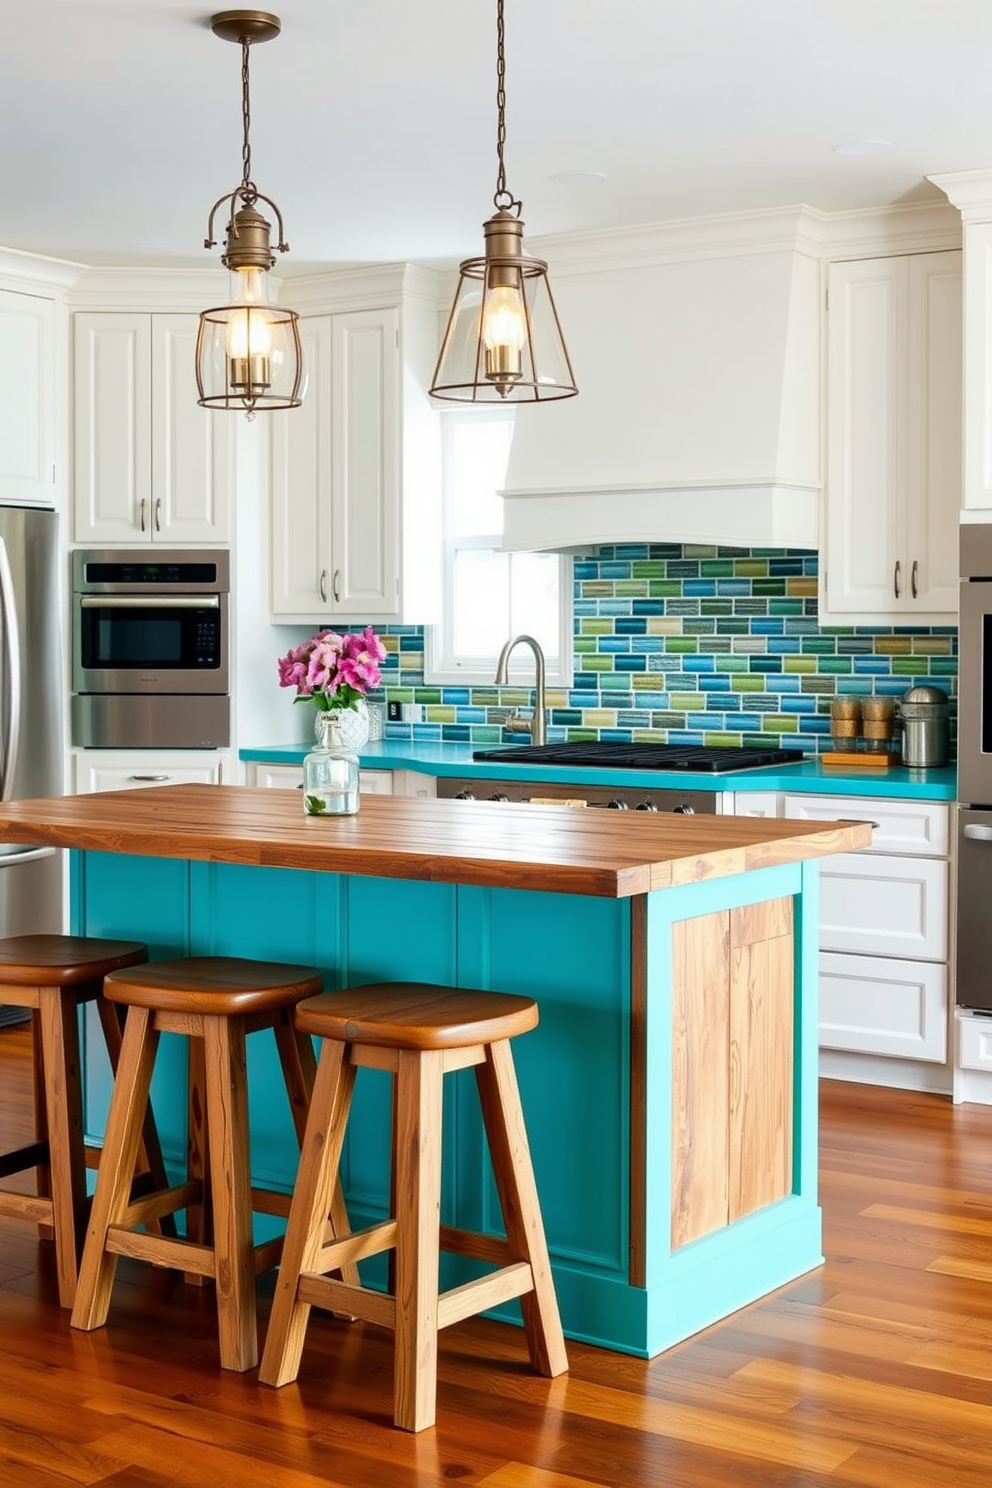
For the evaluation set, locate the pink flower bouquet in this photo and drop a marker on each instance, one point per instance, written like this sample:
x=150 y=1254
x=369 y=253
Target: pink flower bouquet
x=331 y=670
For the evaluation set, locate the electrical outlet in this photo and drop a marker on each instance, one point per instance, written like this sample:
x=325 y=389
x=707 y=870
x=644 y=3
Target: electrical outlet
x=394 y=712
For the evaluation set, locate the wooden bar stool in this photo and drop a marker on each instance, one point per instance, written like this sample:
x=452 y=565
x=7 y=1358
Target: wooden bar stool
x=54 y=975
x=419 y=1033
x=215 y=1002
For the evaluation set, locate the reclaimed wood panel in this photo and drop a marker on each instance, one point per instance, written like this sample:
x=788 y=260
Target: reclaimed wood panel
x=761 y=1055
x=504 y=845
x=700 y=1076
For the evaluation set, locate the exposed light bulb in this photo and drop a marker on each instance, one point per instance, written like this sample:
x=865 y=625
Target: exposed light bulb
x=249 y=334
x=504 y=332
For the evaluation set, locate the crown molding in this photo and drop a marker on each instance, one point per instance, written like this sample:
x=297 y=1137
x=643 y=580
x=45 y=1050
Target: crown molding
x=26 y=271
x=370 y=287
x=969 y=191
x=182 y=291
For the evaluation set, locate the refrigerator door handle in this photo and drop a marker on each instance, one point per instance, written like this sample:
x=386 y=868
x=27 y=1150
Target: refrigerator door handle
x=24 y=855
x=978 y=833
x=12 y=674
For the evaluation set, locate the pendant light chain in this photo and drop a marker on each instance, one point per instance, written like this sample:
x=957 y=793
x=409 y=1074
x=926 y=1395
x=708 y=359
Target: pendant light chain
x=249 y=194
x=503 y=200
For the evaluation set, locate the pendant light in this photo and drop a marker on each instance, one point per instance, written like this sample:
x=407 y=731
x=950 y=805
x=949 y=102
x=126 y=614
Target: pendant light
x=503 y=342
x=248 y=353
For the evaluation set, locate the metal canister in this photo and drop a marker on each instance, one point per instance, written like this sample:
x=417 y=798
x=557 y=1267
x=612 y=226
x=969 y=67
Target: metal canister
x=925 y=727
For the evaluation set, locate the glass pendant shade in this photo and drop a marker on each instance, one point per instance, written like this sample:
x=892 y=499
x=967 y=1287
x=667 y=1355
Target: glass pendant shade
x=248 y=353
x=503 y=342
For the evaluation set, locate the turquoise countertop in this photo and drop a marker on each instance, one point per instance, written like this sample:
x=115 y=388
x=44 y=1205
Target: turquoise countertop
x=809 y=775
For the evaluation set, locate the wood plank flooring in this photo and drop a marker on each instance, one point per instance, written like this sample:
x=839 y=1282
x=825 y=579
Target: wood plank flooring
x=874 y=1370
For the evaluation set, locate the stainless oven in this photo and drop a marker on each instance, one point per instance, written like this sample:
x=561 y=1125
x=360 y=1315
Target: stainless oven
x=602 y=797
x=974 y=876
x=150 y=644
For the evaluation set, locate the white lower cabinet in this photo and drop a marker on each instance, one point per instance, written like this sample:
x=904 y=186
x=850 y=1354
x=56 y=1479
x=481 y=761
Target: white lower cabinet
x=132 y=769
x=884 y=924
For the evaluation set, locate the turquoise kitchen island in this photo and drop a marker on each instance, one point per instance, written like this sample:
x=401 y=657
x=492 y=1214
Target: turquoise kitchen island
x=670 y=1088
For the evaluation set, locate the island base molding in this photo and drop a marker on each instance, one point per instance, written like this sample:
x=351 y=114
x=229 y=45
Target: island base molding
x=670 y=1089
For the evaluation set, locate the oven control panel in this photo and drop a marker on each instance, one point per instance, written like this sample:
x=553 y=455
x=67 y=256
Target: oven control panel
x=596 y=797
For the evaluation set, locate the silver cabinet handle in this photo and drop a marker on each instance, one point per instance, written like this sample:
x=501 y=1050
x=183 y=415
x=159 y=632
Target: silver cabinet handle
x=912 y=579
x=13 y=856
x=977 y=833
x=895 y=577
x=149 y=777
x=141 y=513
x=337 y=585
x=149 y=601
x=323 y=585
x=158 y=514
x=12 y=674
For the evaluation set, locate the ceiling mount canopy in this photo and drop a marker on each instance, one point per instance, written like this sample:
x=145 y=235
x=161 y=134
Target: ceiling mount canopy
x=503 y=342
x=248 y=353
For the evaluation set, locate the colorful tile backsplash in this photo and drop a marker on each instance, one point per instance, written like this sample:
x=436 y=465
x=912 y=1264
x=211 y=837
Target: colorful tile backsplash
x=693 y=645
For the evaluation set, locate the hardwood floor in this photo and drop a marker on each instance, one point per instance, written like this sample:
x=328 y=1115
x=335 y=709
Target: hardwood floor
x=875 y=1370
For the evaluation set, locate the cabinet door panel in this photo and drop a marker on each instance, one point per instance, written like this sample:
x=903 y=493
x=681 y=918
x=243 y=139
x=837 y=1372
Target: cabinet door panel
x=192 y=447
x=365 y=483
x=873 y=1005
x=301 y=499
x=27 y=403
x=884 y=906
x=112 y=357
x=917 y=828
x=866 y=371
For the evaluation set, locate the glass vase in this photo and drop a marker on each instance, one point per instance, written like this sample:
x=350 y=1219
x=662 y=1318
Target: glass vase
x=330 y=771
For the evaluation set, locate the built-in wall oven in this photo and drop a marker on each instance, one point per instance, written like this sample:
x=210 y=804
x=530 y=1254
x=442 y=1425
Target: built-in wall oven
x=150 y=643
x=974 y=877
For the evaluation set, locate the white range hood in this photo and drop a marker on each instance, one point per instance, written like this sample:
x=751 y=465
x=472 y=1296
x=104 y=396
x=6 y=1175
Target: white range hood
x=697 y=353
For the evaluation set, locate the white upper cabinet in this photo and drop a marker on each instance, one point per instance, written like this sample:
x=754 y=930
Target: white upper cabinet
x=894 y=440
x=356 y=474
x=150 y=464
x=27 y=399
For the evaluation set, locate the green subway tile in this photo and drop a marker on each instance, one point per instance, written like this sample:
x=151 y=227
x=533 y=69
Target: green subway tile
x=892 y=645
x=942 y=666
x=596 y=588
x=664 y=589
x=819 y=645
x=716 y=568
x=785 y=607
x=731 y=663
x=932 y=645
x=427 y=695
x=780 y=723
x=681 y=643
x=686 y=700
x=444 y=714
x=401 y=694
x=592 y=625
x=770 y=588
x=749 y=682
x=751 y=568
x=818 y=684
x=907 y=666
x=836 y=665
x=631 y=589
x=667 y=720
x=716 y=607
x=584 y=645
x=596 y=664
x=647 y=568
x=799 y=663
x=719 y=740
x=699 y=628
x=699 y=550
x=484 y=733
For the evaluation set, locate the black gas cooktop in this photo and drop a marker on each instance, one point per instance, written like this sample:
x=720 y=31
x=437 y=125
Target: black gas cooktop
x=616 y=756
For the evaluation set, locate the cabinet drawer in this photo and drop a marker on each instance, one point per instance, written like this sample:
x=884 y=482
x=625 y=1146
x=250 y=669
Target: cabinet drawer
x=872 y=1005
x=918 y=827
x=110 y=769
x=290 y=777
x=884 y=906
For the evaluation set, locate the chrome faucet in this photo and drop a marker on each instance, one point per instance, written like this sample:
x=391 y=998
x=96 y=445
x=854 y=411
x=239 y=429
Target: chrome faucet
x=536 y=725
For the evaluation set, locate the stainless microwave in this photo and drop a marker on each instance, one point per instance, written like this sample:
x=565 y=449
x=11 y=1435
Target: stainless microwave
x=150 y=648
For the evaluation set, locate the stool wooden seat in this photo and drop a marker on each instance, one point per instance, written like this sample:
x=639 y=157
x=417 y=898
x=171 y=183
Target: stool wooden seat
x=215 y=1002
x=419 y=1032
x=54 y=975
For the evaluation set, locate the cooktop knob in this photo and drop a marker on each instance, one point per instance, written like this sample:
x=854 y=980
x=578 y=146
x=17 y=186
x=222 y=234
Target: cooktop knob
x=616 y=805
x=465 y=795
x=645 y=806
x=499 y=796
x=683 y=810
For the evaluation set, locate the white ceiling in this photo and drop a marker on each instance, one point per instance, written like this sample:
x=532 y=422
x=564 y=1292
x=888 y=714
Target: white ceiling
x=373 y=121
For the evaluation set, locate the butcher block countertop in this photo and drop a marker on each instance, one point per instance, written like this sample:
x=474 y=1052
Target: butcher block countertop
x=554 y=849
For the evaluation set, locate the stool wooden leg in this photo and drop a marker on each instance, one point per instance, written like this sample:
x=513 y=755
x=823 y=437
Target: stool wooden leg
x=504 y=1122
x=199 y=1217
x=317 y=1179
x=299 y=1068
x=128 y=1104
x=418 y=1182
x=43 y=1182
x=230 y=1187
x=59 y=1037
x=150 y=1157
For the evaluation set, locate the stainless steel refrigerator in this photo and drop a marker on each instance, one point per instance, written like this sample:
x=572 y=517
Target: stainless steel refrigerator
x=30 y=713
